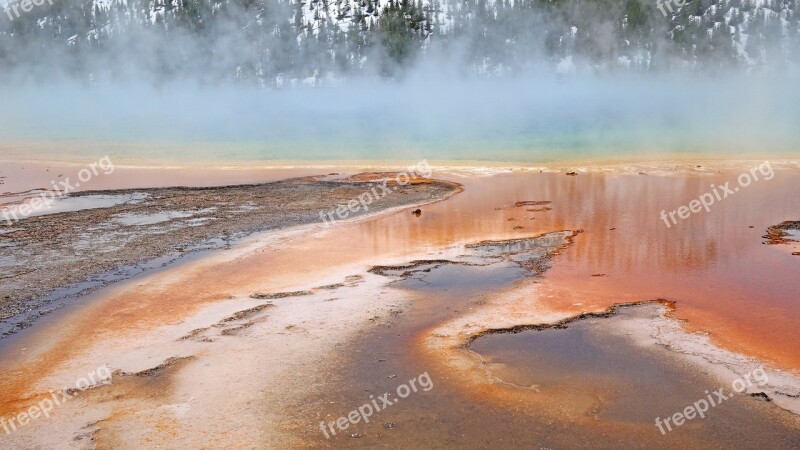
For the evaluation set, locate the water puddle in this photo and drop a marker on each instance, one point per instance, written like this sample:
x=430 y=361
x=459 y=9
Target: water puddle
x=607 y=361
x=596 y=356
x=132 y=219
x=75 y=203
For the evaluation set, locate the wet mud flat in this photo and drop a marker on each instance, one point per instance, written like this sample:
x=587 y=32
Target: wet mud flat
x=387 y=356
x=592 y=380
x=245 y=374
x=91 y=239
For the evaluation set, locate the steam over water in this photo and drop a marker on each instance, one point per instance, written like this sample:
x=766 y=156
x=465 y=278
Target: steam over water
x=533 y=118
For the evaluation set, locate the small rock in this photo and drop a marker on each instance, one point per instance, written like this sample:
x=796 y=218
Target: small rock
x=417 y=212
x=572 y=174
x=389 y=425
x=355 y=435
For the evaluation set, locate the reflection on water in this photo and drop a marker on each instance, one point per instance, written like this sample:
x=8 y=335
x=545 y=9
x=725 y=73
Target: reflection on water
x=713 y=264
x=596 y=358
x=551 y=388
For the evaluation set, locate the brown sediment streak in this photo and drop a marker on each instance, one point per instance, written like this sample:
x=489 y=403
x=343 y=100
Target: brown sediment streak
x=776 y=234
x=532 y=203
x=157 y=369
x=196 y=333
x=349 y=281
x=408 y=269
x=247 y=313
x=331 y=286
x=234 y=330
x=389 y=177
x=262 y=296
x=513 y=243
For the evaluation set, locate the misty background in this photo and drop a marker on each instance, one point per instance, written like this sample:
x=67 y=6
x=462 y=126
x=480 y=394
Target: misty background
x=243 y=80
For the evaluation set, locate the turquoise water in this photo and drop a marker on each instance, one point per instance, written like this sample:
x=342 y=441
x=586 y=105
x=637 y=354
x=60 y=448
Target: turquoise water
x=532 y=120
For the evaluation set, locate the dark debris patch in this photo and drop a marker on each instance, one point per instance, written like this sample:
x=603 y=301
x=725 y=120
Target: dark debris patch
x=408 y=270
x=331 y=286
x=241 y=315
x=196 y=333
x=263 y=296
x=777 y=234
x=153 y=371
x=761 y=395
x=233 y=330
x=532 y=203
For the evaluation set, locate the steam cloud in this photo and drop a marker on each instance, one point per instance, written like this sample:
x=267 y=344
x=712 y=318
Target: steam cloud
x=459 y=80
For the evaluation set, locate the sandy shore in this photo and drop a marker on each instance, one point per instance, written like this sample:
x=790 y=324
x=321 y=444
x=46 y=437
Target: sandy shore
x=253 y=346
